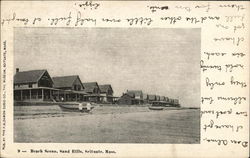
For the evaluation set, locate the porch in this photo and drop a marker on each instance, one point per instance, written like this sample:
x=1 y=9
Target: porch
x=48 y=94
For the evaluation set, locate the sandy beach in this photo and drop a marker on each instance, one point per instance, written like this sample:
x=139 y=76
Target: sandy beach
x=123 y=125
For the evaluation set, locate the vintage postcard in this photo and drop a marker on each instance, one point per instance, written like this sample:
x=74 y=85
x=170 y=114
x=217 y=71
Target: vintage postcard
x=124 y=79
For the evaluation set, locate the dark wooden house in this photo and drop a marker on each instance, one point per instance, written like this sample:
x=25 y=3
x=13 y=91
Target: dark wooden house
x=171 y=102
x=157 y=98
x=162 y=98
x=151 y=98
x=138 y=96
x=176 y=102
x=126 y=99
x=167 y=99
x=106 y=93
x=162 y=101
x=145 y=98
x=33 y=85
x=71 y=86
x=93 y=90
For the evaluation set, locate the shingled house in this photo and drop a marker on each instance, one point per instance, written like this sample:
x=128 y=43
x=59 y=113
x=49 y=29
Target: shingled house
x=93 y=90
x=167 y=100
x=162 y=98
x=162 y=101
x=106 y=93
x=151 y=98
x=138 y=96
x=126 y=99
x=34 y=85
x=131 y=97
x=176 y=102
x=145 y=98
x=157 y=98
x=71 y=86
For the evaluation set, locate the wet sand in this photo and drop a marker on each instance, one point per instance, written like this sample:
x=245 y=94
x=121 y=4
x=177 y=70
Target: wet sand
x=141 y=126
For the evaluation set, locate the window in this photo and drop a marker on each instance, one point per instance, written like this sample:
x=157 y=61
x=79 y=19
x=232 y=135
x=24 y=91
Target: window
x=30 y=85
x=77 y=87
x=96 y=90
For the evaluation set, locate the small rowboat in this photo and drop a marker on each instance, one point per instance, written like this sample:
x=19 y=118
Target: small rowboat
x=75 y=107
x=155 y=108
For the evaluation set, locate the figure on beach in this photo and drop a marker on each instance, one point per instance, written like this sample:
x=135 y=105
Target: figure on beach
x=80 y=106
x=88 y=106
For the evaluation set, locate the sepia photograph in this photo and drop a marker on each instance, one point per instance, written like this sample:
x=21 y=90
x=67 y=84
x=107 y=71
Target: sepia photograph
x=106 y=85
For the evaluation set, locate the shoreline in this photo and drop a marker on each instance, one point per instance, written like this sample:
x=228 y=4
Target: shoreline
x=36 y=112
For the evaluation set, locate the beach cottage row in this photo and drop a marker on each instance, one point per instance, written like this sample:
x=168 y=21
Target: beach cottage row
x=39 y=86
x=136 y=97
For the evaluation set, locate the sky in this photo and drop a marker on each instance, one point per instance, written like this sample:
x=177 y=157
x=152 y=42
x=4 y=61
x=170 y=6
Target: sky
x=161 y=61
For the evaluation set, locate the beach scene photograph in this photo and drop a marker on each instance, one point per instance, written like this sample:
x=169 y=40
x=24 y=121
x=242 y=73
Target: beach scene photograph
x=106 y=85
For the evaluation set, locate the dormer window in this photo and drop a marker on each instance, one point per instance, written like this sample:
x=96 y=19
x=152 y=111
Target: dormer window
x=30 y=85
x=77 y=87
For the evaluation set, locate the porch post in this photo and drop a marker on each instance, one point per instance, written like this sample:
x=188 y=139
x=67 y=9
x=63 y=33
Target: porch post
x=50 y=94
x=58 y=94
x=37 y=94
x=30 y=94
x=21 y=94
x=42 y=95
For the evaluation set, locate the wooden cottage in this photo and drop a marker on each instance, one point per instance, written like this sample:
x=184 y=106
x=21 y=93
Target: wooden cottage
x=138 y=96
x=34 y=85
x=145 y=98
x=162 y=101
x=71 y=88
x=93 y=90
x=106 y=93
x=157 y=98
x=151 y=98
x=171 y=102
x=167 y=99
x=126 y=99
x=162 y=98
x=176 y=102
x=159 y=101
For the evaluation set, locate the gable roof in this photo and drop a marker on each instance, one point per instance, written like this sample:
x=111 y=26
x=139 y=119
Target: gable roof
x=126 y=94
x=104 y=88
x=90 y=86
x=64 y=81
x=132 y=95
x=135 y=92
x=31 y=76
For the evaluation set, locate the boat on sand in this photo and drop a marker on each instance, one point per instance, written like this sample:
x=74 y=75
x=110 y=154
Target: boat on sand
x=75 y=106
x=155 y=108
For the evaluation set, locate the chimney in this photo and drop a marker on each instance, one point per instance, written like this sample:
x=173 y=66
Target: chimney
x=17 y=70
